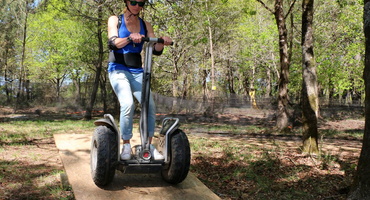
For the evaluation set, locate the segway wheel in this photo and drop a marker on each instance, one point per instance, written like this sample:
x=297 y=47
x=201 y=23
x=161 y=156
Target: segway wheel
x=103 y=155
x=177 y=169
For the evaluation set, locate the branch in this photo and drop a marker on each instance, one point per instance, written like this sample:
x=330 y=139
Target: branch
x=264 y=5
x=290 y=9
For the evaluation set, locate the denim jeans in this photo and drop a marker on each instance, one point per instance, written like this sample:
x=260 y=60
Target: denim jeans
x=126 y=85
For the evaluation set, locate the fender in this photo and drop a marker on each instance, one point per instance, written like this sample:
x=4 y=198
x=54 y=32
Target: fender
x=104 y=122
x=108 y=121
x=169 y=126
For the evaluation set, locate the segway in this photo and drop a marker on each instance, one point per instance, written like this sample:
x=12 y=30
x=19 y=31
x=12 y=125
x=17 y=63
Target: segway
x=173 y=142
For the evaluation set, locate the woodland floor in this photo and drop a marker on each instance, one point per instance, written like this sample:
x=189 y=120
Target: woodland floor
x=282 y=169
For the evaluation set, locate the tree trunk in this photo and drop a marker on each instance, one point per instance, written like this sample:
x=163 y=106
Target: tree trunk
x=310 y=102
x=175 y=74
x=103 y=83
x=175 y=92
x=361 y=185
x=282 y=115
x=245 y=83
x=213 y=88
x=20 y=94
x=230 y=77
x=204 y=85
x=98 y=67
x=282 y=112
x=77 y=83
x=185 y=87
x=7 y=85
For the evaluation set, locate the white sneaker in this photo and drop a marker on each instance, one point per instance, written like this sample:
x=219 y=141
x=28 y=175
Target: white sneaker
x=155 y=153
x=126 y=152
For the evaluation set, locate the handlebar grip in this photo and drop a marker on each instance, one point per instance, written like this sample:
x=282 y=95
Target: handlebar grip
x=157 y=40
x=160 y=40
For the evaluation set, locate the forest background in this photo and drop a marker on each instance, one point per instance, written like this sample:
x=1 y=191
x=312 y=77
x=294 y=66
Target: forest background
x=226 y=55
x=54 y=52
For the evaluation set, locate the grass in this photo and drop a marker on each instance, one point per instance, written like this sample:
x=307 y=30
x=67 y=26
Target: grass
x=220 y=128
x=234 y=161
x=24 y=172
x=24 y=132
x=237 y=169
x=22 y=180
x=330 y=133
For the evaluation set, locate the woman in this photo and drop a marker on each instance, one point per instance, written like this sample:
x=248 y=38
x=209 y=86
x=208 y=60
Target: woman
x=125 y=69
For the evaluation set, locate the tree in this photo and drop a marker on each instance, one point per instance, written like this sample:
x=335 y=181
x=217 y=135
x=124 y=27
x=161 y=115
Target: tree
x=245 y=44
x=190 y=24
x=95 y=14
x=22 y=75
x=18 y=11
x=53 y=46
x=174 y=20
x=279 y=14
x=8 y=31
x=361 y=185
x=99 y=61
x=338 y=49
x=259 y=34
x=310 y=98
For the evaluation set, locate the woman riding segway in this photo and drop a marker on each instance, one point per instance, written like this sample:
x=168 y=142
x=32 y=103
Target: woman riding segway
x=125 y=69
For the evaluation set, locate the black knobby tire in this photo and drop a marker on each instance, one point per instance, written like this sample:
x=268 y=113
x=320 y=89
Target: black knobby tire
x=179 y=158
x=103 y=155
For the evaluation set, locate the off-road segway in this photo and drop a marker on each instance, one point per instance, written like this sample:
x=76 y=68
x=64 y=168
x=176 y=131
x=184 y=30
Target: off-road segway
x=173 y=143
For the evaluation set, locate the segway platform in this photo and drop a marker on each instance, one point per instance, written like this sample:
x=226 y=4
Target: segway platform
x=137 y=165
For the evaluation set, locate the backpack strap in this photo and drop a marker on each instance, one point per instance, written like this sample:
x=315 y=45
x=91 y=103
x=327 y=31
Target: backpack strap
x=119 y=21
x=145 y=29
x=141 y=20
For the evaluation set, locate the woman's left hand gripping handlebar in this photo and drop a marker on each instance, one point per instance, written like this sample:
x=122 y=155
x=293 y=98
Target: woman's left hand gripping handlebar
x=167 y=40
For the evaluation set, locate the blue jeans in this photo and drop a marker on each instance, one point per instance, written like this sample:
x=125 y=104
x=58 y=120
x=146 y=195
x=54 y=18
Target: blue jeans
x=126 y=85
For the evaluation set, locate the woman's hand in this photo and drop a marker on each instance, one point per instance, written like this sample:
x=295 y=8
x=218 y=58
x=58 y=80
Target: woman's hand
x=167 y=40
x=159 y=46
x=136 y=37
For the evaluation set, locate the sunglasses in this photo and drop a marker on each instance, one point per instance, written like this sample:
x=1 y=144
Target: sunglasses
x=140 y=3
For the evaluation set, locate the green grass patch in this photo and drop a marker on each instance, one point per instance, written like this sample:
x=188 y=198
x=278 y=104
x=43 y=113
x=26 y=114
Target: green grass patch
x=24 y=173
x=331 y=133
x=24 y=132
x=235 y=169
x=226 y=129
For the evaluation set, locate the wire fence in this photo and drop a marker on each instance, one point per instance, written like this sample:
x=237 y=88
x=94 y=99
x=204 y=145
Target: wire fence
x=224 y=104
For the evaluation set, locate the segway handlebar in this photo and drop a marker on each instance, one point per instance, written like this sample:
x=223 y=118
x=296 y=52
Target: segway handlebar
x=156 y=40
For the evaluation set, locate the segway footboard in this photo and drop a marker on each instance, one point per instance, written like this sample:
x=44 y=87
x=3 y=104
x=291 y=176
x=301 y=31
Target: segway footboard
x=133 y=167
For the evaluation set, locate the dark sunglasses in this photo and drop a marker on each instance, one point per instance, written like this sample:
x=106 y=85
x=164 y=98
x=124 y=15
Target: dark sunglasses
x=140 y=3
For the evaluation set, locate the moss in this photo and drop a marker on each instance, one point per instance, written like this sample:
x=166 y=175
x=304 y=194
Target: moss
x=310 y=146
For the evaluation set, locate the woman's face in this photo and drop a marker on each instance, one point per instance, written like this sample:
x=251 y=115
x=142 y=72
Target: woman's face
x=135 y=6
